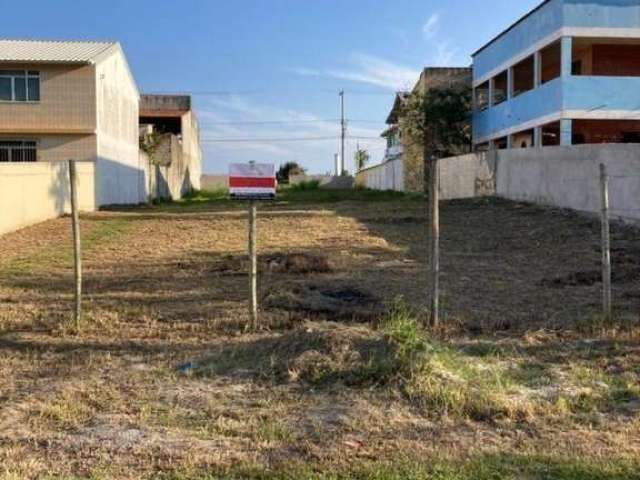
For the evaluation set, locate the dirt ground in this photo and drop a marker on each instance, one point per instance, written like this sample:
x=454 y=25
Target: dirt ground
x=124 y=395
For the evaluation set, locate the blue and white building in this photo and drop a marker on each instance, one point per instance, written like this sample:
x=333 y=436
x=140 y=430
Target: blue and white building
x=566 y=73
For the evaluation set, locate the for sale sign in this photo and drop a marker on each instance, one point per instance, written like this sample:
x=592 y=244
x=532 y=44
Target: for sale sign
x=252 y=180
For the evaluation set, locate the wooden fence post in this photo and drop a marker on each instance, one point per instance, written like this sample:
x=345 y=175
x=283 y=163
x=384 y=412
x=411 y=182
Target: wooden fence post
x=77 y=252
x=253 y=259
x=606 y=243
x=434 y=204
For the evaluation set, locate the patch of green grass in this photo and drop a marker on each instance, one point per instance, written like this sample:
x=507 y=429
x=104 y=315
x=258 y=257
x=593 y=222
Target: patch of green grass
x=305 y=186
x=104 y=232
x=273 y=431
x=486 y=467
x=442 y=380
x=320 y=195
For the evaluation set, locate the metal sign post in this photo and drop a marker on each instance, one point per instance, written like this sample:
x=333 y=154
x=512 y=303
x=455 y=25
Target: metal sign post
x=252 y=182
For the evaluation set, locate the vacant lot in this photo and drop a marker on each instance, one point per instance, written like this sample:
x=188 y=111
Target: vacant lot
x=160 y=380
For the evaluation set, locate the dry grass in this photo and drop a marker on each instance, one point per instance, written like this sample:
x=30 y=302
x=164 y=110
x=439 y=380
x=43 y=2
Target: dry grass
x=526 y=382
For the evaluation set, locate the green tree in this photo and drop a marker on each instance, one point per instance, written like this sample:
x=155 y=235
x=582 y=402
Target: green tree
x=362 y=158
x=288 y=169
x=441 y=120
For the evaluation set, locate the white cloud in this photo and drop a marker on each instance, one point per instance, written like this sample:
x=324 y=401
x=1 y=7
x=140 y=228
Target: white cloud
x=377 y=71
x=431 y=27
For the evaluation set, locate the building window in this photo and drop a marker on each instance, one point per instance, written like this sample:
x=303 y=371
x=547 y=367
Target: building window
x=500 y=86
x=18 y=151
x=482 y=97
x=523 y=76
x=19 y=86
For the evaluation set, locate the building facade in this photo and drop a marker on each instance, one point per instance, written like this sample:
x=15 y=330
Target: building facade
x=176 y=166
x=401 y=144
x=73 y=100
x=567 y=73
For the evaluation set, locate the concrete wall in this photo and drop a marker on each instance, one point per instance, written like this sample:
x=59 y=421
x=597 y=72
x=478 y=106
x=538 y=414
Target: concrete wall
x=67 y=102
x=342 y=182
x=386 y=176
x=569 y=177
x=214 y=182
x=58 y=148
x=192 y=150
x=34 y=192
x=120 y=172
x=468 y=176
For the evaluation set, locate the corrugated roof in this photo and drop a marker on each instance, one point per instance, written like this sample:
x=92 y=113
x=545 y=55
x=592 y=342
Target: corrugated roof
x=51 y=51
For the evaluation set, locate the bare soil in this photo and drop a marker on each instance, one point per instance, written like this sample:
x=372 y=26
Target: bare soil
x=166 y=287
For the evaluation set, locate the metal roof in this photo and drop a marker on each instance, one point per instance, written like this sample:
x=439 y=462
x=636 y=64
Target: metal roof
x=51 y=51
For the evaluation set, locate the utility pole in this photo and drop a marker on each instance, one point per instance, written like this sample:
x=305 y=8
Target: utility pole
x=343 y=124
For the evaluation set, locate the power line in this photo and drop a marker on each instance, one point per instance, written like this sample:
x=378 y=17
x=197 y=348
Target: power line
x=285 y=139
x=270 y=122
x=231 y=93
x=279 y=122
x=266 y=140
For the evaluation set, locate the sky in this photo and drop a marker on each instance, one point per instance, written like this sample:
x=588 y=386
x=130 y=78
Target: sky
x=265 y=74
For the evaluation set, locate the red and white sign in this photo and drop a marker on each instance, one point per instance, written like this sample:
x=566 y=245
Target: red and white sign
x=252 y=180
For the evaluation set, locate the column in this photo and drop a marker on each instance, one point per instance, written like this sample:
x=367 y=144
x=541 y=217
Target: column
x=566 y=56
x=509 y=142
x=537 y=69
x=566 y=131
x=509 y=83
x=537 y=137
x=492 y=87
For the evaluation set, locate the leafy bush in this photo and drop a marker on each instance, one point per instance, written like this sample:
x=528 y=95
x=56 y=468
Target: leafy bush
x=306 y=186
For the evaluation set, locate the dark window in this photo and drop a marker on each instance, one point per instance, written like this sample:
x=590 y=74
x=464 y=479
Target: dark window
x=18 y=151
x=630 y=137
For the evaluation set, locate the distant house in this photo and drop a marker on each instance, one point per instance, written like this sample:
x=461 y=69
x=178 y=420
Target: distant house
x=73 y=100
x=175 y=165
x=403 y=166
x=566 y=73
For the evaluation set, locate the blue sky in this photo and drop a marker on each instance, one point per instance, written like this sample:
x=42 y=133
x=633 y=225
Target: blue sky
x=272 y=69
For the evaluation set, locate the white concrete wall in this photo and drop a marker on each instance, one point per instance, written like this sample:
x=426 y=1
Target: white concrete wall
x=192 y=148
x=120 y=171
x=568 y=177
x=467 y=176
x=386 y=176
x=34 y=192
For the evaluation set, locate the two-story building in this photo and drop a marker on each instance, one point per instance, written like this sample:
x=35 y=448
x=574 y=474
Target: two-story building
x=566 y=73
x=73 y=100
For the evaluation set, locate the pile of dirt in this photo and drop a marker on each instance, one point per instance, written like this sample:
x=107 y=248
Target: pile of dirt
x=314 y=354
x=297 y=263
x=341 y=302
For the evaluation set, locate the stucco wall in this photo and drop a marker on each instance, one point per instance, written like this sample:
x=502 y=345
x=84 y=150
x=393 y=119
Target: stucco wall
x=34 y=192
x=468 y=176
x=386 y=176
x=214 y=182
x=58 y=148
x=67 y=101
x=569 y=177
x=192 y=150
x=120 y=172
